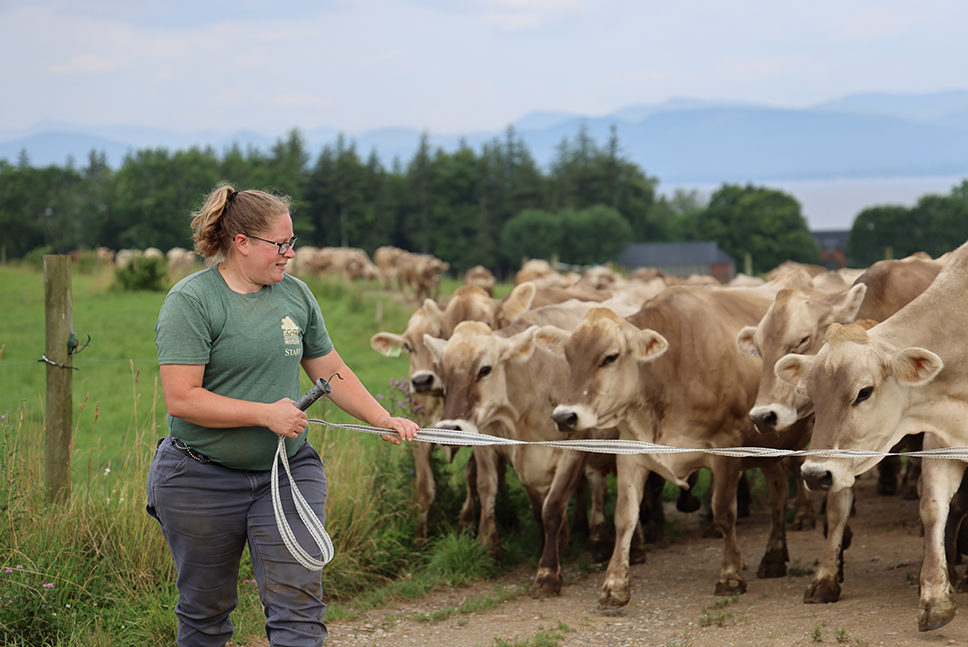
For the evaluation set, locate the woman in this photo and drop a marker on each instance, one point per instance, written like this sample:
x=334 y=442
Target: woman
x=231 y=340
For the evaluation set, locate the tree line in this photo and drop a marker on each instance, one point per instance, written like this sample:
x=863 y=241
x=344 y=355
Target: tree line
x=492 y=206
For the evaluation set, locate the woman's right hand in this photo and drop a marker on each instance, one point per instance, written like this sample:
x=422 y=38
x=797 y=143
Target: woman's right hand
x=285 y=419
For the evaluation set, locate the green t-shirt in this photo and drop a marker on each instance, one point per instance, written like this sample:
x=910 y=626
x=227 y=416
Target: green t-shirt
x=251 y=346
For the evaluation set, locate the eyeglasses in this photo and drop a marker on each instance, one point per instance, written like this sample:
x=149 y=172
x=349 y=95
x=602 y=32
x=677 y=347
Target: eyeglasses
x=283 y=247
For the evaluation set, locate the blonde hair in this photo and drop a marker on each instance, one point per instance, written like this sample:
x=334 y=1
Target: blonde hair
x=227 y=213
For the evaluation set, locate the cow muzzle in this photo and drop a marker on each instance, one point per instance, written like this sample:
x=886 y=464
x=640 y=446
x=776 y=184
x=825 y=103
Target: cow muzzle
x=825 y=476
x=573 y=418
x=427 y=383
x=772 y=418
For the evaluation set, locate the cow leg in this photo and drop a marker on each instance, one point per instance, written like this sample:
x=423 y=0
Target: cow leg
x=803 y=518
x=465 y=521
x=570 y=468
x=650 y=512
x=426 y=487
x=888 y=471
x=726 y=477
x=487 y=484
x=957 y=510
x=598 y=533
x=631 y=484
x=911 y=477
x=776 y=557
x=940 y=479
x=825 y=586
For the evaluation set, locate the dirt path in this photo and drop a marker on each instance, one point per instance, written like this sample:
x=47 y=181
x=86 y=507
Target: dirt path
x=673 y=602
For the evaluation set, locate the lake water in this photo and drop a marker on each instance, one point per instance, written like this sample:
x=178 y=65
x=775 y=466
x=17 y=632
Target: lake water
x=833 y=204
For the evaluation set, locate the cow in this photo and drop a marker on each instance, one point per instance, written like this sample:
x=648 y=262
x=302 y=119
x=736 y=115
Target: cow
x=429 y=399
x=494 y=383
x=796 y=321
x=871 y=388
x=387 y=259
x=671 y=374
x=420 y=275
x=481 y=277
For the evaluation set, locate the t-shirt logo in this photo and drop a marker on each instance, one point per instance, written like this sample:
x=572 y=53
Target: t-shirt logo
x=290 y=331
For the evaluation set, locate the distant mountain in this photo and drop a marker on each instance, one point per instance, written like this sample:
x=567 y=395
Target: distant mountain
x=679 y=141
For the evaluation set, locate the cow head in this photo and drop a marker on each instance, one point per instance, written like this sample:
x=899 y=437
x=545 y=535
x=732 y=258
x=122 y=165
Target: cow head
x=859 y=386
x=604 y=354
x=473 y=366
x=795 y=323
x=423 y=376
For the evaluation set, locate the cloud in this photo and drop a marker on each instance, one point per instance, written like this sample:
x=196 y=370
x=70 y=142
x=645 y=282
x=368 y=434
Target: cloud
x=301 y=101
x=87 y=64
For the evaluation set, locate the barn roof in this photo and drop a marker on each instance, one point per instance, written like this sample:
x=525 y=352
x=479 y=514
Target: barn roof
x=705 y=252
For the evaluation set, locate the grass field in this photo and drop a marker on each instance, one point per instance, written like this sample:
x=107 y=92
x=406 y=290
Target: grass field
x=96 y=571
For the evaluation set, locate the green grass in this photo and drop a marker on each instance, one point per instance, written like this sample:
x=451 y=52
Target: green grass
x=96 y=570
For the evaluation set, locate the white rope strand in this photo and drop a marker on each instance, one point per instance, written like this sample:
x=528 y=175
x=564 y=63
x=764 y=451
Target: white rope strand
x=313 y=524
x=619 y=446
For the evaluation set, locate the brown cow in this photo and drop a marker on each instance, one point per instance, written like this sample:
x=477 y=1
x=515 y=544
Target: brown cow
x=496 y=384
x=872 y=388
x=420 y=275
x=481 y=277
x=387 y=260
x=670 y=374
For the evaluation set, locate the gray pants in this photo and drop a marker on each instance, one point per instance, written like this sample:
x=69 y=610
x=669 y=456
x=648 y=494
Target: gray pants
x=207 y=514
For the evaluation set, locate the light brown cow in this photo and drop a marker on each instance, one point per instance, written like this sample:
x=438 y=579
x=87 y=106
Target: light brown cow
x=387 y=259
x=420 y=275
x=496 y=384
x=671 y=374
x=430 y=402
x=481 y=277
x=795 y=323
x=873 y=388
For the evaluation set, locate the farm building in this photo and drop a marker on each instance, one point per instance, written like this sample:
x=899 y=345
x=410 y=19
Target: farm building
x=833 y=246
x=680 y=259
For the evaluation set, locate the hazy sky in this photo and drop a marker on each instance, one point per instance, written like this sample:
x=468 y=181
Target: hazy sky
x=452 y=66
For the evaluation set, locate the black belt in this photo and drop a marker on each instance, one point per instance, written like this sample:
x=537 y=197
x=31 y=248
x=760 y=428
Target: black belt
x=191 y=453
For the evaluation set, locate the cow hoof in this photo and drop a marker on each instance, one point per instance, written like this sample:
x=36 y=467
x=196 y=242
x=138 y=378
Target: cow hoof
x=823 y=592
x=771 y=568
x=610 y=599
x=937 y=616
x=730 y=587
x=546 y=589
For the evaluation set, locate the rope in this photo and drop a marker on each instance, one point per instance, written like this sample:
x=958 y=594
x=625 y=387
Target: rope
x=619 y=446
x=313 y=524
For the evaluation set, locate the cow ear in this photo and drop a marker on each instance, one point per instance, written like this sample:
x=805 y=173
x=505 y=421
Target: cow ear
x=551 y=339
x=793 y=370
x=520 y=347
x=435 y=345
x=847 y=305
x=648 y=345
x=388 y=344
x=745 y=341
x=916 y=366
x=519 y=300
x=434 y=314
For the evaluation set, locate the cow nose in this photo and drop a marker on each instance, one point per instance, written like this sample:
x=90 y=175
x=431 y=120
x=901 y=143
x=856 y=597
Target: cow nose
x=765 y=421
x=818 y=479
x=451 y=427
x=565 y=420
x=422 y=383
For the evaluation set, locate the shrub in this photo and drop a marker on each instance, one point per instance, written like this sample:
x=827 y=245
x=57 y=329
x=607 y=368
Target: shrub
x=146 y=274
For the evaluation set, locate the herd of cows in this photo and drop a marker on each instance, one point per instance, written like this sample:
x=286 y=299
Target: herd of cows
x=853 y=360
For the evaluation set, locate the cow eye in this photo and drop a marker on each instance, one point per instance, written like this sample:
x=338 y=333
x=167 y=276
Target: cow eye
x=864 y=394
x=407 y=347
x=803 y=342
x=485 y=370
x=608 y=360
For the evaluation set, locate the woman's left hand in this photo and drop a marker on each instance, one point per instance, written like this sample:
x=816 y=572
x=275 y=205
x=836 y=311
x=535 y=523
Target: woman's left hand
x=407 y=429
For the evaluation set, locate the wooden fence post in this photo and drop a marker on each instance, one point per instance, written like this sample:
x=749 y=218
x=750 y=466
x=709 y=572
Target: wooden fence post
x=60 y=396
